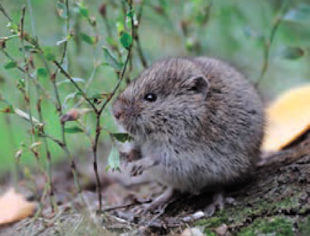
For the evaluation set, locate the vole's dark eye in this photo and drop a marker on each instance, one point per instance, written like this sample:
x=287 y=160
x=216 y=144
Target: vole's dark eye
x=150 y=97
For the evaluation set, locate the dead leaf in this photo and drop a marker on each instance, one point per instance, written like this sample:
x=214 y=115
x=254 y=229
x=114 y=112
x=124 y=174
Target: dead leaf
x=74 y=114
x=221 y=230
x=192 y=232
x=14 y=207
x=288 y=118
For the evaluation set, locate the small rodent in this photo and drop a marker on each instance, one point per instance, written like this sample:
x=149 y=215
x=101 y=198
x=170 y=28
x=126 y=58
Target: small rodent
x=198 y=121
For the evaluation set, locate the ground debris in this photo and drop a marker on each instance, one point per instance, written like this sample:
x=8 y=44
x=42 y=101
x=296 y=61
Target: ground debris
x=275 y=202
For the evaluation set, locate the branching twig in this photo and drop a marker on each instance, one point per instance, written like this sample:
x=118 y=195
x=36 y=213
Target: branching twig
x=65 y=73
x=27 y=97
x=268 y=42
x=137 y=37
x=35 y=82
x=4 y=12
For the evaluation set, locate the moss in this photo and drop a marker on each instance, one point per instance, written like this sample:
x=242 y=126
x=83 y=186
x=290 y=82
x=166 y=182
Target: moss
x=287 y=203
x=278 y=226
x=211 y=222
x=208 y=232
x=304 y=227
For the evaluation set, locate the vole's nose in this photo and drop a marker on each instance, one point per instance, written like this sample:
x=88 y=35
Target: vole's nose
x=117 y=110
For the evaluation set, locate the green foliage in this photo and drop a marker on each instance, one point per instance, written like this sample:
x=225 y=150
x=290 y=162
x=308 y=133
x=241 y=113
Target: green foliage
x=126 y=40
x=275 y=226
x=49 y=53
x=111 y=60
x=299 y=14
x=121 y=137
x=83 y=10
x=73 y=130
x=42 y=72
x=61 y=10
x=88 y=39
x=113 y=160
x=293 y=53
x=10 y=65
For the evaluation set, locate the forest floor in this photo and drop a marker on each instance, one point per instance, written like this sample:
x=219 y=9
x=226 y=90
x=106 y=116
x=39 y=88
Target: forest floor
x=276 y=201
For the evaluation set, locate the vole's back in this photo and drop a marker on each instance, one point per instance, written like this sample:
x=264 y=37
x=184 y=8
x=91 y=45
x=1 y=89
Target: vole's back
x=235 y=107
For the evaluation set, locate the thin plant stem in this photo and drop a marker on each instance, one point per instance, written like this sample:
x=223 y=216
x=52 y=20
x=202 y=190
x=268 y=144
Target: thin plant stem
x=66 y=74
x=45 y=143
x=98 y=115
x=268 y=42
x=27 y=97
x=4 y=13
x=137 y=37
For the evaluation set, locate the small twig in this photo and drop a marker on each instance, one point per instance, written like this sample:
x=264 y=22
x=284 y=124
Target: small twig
x=55 y=140
x=111 y=208
x=33 y=28
x=22 y=20
x=24 y=72
x=268 y=42
x=137 y=37
x=11 y=137
x=89 y=81
x=118 y=82
x=99 y=112
x=4 y=12
x=65 y=73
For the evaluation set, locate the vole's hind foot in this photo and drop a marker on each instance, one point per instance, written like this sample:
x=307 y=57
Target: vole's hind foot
x=218 y=203
x=159 y=204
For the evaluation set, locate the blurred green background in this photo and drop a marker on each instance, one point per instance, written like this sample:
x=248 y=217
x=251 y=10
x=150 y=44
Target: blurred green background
x=233 y=30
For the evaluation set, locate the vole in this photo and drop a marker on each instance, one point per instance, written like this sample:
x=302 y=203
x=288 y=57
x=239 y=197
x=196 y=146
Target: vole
x=196 y=122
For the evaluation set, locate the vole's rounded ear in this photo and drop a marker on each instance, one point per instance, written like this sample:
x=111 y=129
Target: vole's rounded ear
x=198 y=84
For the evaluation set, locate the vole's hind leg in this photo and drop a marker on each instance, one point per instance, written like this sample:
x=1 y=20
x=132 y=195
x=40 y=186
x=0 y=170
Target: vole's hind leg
x=218 y=202
x=160 y=203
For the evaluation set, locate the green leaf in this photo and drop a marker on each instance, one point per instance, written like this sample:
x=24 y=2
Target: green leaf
x=120 y=27
x=131 y=14
x=48 y=53
x=73 y=130
x=299 y=14
x=61 y=10
x=10 y=65
x=111 y=41
x=113 y=159
x=29 y=48
x=66 y=81
x=83 y=11
x=163 y=3
x=99 y=95
x=20 y=83
x=293 y=53
x=13 y=27
x=42 y=72
x=121 y=137
x=126 y=40
x=111 y=60
x=88 y=39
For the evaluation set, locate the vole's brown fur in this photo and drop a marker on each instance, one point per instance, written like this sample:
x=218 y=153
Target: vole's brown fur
x=204 y=128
